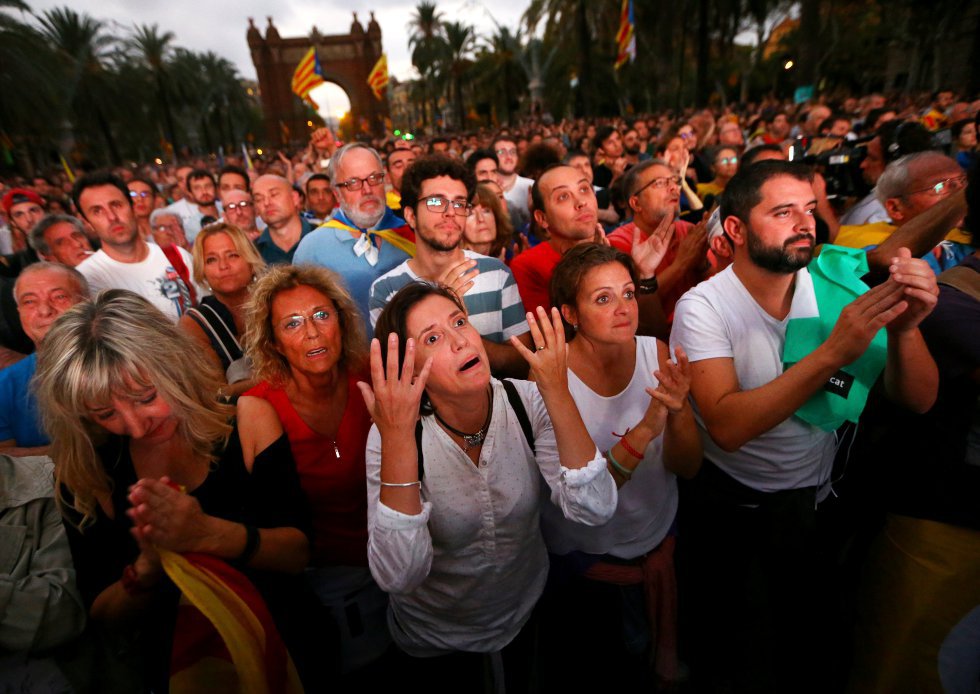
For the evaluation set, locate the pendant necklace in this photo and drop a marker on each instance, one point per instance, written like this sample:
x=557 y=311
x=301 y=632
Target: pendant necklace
x=475 y=439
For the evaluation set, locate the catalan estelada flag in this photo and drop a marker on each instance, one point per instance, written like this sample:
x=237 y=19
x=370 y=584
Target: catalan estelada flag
x=626 y=36
x=378 y=79
x=224 y=637
x=307 y=76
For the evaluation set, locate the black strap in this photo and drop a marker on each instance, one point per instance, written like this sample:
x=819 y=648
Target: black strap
x=222 y=337
x=516 y=404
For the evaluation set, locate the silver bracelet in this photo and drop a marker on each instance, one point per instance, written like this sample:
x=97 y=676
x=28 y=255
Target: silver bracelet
x=402 y=484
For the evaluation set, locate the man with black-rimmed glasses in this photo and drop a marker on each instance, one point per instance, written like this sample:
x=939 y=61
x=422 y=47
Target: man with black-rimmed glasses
x=363 y=239
x=436 y=191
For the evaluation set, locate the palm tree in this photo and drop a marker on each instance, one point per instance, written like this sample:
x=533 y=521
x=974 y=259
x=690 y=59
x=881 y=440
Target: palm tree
x=428 y=45
x=497 y=71
x=460 y=40
x=82 y=47
x=153 y=48
x=27 y=80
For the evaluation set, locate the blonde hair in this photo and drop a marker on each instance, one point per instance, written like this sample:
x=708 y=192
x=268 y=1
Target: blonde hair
x=240 y=240
x=260 y=337
x=88 y=355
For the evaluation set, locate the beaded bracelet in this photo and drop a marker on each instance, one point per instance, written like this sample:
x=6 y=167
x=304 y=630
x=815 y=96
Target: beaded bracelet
x=619 y=468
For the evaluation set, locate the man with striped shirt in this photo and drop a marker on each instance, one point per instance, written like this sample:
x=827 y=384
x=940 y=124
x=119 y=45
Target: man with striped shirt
x=436 y=191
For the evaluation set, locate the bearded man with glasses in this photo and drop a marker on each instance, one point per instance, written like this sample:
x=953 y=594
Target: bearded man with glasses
x=363 y=239
x=436 y=193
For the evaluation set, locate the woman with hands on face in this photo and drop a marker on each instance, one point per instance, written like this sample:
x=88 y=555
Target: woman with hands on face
x=634 y=399
x=454 y=536
x=147 y=457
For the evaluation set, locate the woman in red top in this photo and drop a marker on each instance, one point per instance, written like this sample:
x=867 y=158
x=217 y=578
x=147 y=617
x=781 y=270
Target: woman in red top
x=307 y=343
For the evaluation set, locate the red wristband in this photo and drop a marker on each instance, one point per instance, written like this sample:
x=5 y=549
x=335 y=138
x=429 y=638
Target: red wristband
x=626 y=445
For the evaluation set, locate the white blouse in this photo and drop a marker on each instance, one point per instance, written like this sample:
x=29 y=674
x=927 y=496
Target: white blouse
x=465 y=573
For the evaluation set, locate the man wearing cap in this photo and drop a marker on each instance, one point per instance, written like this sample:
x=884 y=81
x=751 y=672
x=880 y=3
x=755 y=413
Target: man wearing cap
x=24 y=209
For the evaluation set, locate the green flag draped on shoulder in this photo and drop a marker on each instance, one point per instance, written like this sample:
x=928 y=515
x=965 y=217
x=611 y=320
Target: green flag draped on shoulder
x=836 y=275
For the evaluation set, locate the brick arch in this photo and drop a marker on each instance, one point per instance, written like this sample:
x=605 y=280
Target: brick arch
x=345 y=59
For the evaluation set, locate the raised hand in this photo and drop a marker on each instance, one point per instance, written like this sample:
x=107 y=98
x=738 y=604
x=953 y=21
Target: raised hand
x=460 y=277
x=548 y=361
x=647 y=255
x=674 y=379
x=392 y=399
x=861 y=320
x=920 y=290
x=692 y=250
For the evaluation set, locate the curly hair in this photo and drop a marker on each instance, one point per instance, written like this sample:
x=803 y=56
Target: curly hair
x=104 y=347
x=260 y=335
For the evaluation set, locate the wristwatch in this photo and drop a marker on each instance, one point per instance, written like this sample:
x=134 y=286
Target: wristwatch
x=648 y=285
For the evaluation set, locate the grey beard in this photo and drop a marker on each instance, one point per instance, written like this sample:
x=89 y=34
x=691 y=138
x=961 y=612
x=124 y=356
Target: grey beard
x=363 y=221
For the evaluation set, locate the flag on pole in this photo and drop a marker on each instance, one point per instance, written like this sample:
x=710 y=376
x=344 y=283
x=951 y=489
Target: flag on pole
x=64 y=165
x=307 y=76
x=378 y=79
x=626 y=36
x=249 y=166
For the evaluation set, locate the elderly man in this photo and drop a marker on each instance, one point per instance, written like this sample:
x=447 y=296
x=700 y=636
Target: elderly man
x=240 y=211
x=910 y=186
x=364 y=238
x=167 y=229
x=43 y=292
x=60 y=238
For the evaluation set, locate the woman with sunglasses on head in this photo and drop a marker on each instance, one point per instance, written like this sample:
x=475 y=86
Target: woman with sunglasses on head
x=634 y=400
x=227 y=263
x=454 y=496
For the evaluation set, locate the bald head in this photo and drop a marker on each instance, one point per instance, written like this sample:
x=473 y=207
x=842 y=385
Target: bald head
x=275 y=200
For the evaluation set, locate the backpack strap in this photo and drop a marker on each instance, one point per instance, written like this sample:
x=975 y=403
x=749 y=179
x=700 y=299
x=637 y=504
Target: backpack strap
x=219 y=334
x=516 y=404
x=177 y=261
x=963 y=278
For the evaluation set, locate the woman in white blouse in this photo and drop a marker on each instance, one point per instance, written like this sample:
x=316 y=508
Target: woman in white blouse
x=455 y=538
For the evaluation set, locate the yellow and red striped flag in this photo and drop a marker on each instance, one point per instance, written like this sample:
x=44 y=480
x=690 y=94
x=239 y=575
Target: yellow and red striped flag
x=307 y=76
x=378 y=79
x=626 y=36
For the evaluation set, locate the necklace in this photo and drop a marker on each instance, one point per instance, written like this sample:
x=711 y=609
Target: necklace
x=475 y=439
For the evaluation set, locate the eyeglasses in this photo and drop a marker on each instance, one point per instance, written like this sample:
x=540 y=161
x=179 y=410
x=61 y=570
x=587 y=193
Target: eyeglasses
x=439 y=204
x=374 y=179
x=296 y=322
x=728 y=160
x=140 y=194
x=243 y=205
x=660 y=182
x=954 y=183
x=685 y=135
x=510 y=152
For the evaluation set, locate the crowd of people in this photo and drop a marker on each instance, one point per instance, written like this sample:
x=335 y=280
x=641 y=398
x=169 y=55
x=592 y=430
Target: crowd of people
x=686 y=401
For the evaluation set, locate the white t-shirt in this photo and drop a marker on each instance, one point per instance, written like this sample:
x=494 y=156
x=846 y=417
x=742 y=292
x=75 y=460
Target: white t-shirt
x=190 y=216
x=153 y=278
x=517 y=197
x=719 y=318
x=648 y=502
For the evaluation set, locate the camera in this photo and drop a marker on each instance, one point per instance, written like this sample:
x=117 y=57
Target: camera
x=837 y=159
